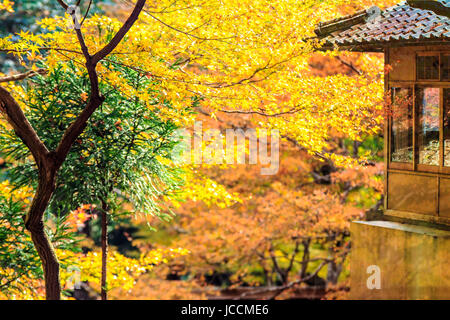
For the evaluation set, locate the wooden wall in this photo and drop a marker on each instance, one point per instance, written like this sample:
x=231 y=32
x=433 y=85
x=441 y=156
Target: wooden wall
x=402 y=60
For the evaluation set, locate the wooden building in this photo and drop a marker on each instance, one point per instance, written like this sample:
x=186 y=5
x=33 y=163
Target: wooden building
x=415 y=38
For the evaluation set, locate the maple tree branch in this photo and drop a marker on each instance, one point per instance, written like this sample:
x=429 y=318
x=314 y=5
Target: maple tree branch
x=84 y=48
x=76 y=128
x=218 y=85
x=15 y=116
x=46 y=186
x=289 y=139
x=291 y=111
x=300 y=147
x=41 y=48
x=248 y=79
x=166 y=9
x=86 y=13
x=7 y=283
x=185 y=32
x=347 y=192
x=22 y=76
x=96 y=99
x=63 y=4
x=306 y=257
x=349 y=65
x=120 y=34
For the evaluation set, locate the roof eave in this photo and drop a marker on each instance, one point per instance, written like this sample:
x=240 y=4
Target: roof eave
x=435 y=6
x=381 y=46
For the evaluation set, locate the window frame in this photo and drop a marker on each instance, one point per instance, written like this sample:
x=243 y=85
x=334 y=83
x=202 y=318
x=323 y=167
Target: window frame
x=424 y=167
x=440 y=55
x=441 y=134
x=413 y=86
x=415 y=165
x=428 y=54
x=409 y=166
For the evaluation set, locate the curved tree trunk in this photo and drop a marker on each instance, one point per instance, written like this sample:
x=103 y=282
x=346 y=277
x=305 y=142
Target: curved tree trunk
x=34 y=222
x=49 y=262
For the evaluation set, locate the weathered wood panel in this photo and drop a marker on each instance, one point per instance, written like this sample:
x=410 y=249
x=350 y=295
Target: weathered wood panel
x=407 y=192
x=402 y=60
x=444 y=198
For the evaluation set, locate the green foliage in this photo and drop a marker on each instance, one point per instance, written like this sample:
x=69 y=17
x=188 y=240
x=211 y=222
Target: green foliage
x=370 y=145
x=17 y=254
x=124 y=154
x=19 y=261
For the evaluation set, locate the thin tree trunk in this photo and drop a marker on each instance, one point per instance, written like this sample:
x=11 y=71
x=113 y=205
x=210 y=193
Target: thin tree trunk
x=305 y=259
x=104 y=292
x=333 y=273
x=334 y=268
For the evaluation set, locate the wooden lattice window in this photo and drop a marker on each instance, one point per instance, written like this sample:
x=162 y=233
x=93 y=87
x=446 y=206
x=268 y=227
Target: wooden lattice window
x=427 y=67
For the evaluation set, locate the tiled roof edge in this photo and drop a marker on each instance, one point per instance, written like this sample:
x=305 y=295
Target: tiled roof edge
x=437 y=7
x=325 y=28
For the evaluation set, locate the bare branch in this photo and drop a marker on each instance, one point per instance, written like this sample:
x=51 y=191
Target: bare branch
x=83 y=46
x=76 y=128
x=63 y=4
x=15 y=116
x=291 y=111
x=96 y=99
x=347 y=64
x=86 y=13
x=186 y=33
x=22 y=76
x=42 y=48
x=120 y=34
